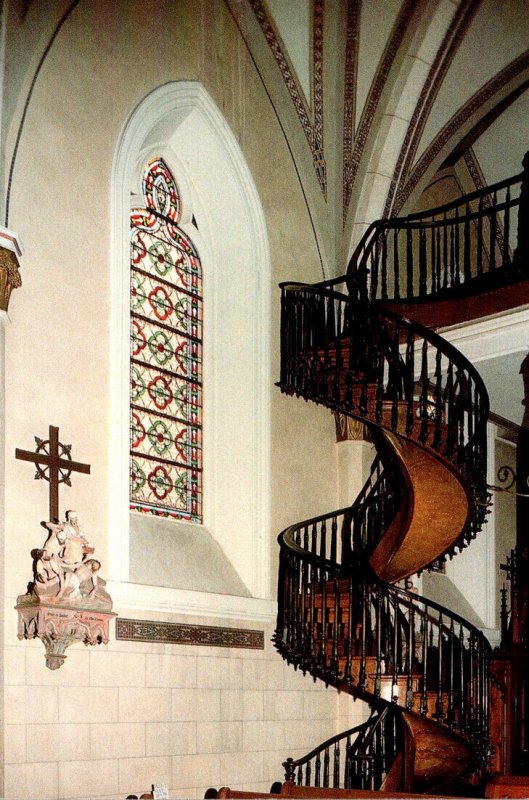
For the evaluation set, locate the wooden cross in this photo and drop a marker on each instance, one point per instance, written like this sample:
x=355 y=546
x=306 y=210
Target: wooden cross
x=56 y=458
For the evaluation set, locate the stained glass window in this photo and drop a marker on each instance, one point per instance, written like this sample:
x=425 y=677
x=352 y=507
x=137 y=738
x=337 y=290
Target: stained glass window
x=166 y=355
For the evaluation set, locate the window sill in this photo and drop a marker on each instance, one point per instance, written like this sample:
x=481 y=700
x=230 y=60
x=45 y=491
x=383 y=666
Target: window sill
x=159 y=599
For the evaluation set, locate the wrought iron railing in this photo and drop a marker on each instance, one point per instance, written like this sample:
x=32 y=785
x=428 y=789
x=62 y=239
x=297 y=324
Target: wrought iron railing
x=366 y=361
x=342 y=348
x=446 y=251
x=354 y=631
x=358 y=758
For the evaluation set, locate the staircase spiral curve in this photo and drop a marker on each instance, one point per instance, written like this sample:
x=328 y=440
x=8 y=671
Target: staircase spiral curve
x=354 y=344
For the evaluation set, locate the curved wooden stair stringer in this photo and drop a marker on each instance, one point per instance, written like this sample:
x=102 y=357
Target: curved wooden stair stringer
x=434 y=512
x=437 y=756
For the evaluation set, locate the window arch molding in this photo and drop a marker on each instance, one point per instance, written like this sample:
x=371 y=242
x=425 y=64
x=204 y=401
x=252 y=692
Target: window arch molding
x=180 y=123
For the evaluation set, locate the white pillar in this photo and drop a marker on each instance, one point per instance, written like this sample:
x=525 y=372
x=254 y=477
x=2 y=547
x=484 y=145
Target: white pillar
x=10 y=253
x=354 y=454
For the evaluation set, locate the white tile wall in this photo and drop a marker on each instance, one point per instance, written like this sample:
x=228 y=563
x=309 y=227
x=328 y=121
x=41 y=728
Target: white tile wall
x=115 y=719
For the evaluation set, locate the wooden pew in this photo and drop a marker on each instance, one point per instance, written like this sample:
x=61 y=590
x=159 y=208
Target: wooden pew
x=289 y=789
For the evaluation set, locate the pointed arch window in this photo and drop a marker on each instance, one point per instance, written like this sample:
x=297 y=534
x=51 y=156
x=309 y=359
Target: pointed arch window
x=165 y=355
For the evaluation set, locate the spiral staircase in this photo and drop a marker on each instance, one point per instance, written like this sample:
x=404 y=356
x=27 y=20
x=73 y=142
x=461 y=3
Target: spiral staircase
x=364 y=345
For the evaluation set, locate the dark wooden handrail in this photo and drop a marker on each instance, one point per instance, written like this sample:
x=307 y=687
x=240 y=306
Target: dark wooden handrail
x=355 y=764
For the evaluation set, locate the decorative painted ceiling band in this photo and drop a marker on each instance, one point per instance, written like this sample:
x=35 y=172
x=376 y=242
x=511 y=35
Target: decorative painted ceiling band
x=140 y=630
x=478 y=179
x=436 y=75
x=352 y=41
x=375 y=93
x=474 y=169
x=311 y=122
x=460 y=118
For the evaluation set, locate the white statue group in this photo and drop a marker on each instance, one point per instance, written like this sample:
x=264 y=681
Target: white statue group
x=61 y=567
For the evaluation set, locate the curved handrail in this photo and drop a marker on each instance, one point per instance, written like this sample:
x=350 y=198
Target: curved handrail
x=394 y=645
x=367 y=361
x=473 y=240
x=445 y=251
x=291 y=536
x=355 y=762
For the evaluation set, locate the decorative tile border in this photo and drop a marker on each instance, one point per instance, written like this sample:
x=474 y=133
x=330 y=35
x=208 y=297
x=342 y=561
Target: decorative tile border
x=141 y=630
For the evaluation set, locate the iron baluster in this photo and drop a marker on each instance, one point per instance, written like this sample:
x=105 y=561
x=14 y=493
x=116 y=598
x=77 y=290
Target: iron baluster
x=384 y=270
x=336 y=628
x=453 y=267
x=394 y=388
x=433 y=261
x=409 y=263
x=338 y=371
x=395 y=684
x=463 y=686
x=323 y=593
x=410 y=652
x=446 y=258
x=450 y=718
x=396 y=271
x=336 y=766
x=437 y=258
x=471 y=684
x=410 y=381
x=492 y=236
x=424 y=399
x=439 y=707
x=438 y=408
x=466 y=246
x=362 y=677
x=457 y=251
x=317 y=771
x=379 y=388
x=451 y=437
x=378 y=640
x=507 y=228
x=374 y=269
x=422 y=262
x=326 y=762
x=479 y=237
x=348 y=776
x=348 y=673
x=424 y=693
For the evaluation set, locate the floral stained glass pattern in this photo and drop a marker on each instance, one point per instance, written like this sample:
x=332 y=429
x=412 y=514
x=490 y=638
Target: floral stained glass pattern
x=166 y=356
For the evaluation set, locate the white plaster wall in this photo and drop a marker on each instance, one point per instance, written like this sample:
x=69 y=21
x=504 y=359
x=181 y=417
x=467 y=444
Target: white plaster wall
x=115 y=719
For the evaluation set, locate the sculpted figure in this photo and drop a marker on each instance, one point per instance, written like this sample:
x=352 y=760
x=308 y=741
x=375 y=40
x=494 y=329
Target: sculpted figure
x=86 y=571
x=73 y=538
x=61 y=568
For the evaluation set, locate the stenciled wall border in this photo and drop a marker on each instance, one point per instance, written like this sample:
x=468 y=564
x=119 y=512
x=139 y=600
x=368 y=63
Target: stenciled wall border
x=141 y=630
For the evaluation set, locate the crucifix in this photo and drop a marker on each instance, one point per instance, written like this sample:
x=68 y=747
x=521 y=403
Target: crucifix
x=54 y=464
